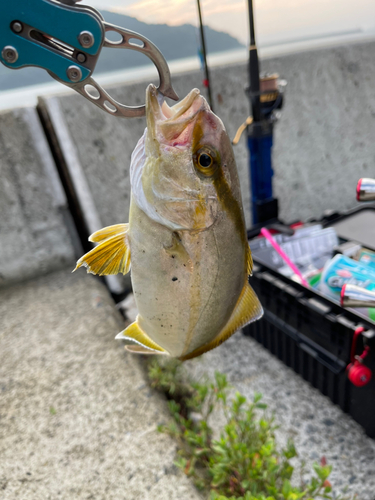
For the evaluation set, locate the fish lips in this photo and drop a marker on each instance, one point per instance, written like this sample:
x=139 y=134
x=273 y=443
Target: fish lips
x=172 y=185
x=174 y=125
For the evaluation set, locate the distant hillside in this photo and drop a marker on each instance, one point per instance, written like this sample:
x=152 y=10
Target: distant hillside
x=175 y=42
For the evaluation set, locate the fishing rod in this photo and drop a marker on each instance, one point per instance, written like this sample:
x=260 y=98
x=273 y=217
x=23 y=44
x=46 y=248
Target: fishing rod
x=266 y=96
x=254 y=79
x=206 y=81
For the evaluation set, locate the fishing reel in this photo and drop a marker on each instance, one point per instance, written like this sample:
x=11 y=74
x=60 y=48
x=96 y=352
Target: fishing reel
x=358 y=373
x=353 y=296
x=271 y=95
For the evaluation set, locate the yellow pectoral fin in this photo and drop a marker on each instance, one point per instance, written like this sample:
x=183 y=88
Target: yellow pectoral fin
x=111 y=256
x=134 y=333
x=247 y=310
x=108 y=232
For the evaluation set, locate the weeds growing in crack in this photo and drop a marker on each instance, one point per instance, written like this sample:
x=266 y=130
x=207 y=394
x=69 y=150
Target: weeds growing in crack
x=245 y=462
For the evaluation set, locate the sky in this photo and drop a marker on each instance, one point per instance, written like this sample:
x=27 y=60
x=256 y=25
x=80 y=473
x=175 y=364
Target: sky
x=276 y=20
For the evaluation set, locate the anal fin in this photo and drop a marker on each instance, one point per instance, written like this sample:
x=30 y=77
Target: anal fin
x=138 y=349
x=111 y=255
x=134 y=333
x=247 y=310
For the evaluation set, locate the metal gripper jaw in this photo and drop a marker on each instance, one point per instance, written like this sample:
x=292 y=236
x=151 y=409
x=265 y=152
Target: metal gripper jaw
x=66 y=40
x=133 y=41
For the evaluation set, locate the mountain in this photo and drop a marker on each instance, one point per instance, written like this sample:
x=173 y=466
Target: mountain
x=175 y=42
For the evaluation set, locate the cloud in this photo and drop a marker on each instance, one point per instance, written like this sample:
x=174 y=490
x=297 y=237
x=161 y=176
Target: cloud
x=275 y=19
x=176 y=12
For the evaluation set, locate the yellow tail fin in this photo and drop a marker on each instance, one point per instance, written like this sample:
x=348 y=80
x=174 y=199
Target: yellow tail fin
x=112 y=255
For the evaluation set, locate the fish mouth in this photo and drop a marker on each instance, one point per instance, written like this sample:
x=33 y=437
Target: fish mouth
x=173 y=125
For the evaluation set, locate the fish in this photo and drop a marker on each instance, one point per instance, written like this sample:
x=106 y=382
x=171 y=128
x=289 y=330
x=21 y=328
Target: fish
x=186 y=241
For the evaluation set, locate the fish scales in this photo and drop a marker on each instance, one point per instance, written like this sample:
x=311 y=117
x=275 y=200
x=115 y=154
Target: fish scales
x=186 y=236
x=184 y=312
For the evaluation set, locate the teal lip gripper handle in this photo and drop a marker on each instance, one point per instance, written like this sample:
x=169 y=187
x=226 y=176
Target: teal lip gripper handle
x=66 y=40
x=47 y=34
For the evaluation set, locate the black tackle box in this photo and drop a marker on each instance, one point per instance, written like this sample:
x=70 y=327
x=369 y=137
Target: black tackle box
x=312 y=334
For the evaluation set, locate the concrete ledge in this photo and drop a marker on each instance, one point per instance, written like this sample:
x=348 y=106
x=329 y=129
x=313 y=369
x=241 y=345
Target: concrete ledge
x=36 y=232
x=78 y=419
x=323 y=142
x=88 y=212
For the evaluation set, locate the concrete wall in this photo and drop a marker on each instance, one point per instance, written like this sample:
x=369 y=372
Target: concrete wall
x=323 y=142
x=34 y=236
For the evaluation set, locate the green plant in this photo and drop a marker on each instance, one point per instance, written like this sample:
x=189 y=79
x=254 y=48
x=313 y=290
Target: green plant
x=245 y=462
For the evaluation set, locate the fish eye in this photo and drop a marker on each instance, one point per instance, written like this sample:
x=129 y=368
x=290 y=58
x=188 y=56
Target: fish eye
x=205 y=160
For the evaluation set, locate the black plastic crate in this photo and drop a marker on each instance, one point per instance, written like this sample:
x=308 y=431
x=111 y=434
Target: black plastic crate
x=313 y=335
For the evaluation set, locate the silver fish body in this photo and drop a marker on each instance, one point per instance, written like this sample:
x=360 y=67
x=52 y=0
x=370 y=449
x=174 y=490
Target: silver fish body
x=186 y=236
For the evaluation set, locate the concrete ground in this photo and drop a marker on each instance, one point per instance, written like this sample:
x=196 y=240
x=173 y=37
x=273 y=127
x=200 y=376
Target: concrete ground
x=77 y=418
x=317 y=426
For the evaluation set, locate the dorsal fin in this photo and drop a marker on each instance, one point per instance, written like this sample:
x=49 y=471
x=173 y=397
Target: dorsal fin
x=247 y=310
x=134 y=333
x=112 y=255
